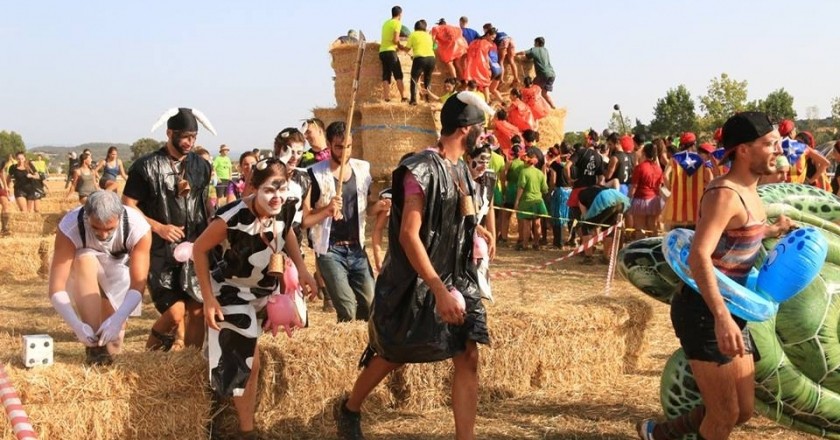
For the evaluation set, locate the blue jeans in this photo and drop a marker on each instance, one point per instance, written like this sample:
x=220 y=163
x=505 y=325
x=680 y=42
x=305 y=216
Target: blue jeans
x=349 y=279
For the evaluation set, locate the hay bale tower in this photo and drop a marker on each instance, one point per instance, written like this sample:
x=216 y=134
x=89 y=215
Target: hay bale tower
x=385 y=131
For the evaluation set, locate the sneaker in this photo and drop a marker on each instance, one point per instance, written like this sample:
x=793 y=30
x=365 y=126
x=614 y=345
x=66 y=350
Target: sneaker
x=645 y=429
x=98 y=356
x=348 y=424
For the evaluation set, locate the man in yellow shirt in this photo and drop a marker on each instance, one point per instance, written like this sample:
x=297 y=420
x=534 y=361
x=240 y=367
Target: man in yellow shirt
x=423 y=59
x=388 y=55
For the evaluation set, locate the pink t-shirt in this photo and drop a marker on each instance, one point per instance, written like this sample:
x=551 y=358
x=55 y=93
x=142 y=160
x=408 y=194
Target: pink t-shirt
x=411 y=185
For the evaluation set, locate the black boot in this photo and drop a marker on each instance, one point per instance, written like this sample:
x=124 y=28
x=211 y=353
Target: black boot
x=348 y=424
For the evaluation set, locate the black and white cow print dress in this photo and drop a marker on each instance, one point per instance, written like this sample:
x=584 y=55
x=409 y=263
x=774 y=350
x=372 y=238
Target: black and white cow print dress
x=242 y=288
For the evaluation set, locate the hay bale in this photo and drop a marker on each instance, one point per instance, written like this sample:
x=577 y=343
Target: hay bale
x=57 y=205
x=391 y=130
x=329 y=115
x=370 y=76
x=26 y=258
x=142 y=396
x=33 y=224
x=564 y=348
x=552 y=127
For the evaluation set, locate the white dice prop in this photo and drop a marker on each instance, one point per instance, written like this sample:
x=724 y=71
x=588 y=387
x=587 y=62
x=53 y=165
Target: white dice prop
x=37 y=350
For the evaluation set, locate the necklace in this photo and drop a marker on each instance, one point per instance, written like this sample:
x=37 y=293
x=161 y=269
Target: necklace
x=276 y=262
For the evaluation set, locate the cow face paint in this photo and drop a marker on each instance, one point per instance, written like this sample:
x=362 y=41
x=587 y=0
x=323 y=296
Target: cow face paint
x=271 y=195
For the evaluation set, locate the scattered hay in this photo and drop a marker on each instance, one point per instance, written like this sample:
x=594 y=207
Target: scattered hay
x=142 y=396
x=391 y=130
x=26 y=258
x=370 y=76
x=330 y=115
x=552 y=127
x=33 y=224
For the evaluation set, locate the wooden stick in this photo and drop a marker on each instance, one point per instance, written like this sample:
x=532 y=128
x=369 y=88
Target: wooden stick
x=349 y=124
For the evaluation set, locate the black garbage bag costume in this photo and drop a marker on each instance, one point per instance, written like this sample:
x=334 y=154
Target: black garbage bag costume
x=404 y=326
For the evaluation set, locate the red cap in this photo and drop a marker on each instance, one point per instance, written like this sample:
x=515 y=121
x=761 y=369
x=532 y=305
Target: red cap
x=719 y=135
x=707 y=147
x=785 y=127
x=688 y=138
x=627 y=144
x=809 y=138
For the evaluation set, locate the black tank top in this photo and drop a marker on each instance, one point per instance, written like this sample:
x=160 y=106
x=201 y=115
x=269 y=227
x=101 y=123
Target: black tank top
x=624 y=168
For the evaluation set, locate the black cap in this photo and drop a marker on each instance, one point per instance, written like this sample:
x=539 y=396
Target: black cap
x=745 y=127
x=442 y=21
x=184 y=120
x=456 y=113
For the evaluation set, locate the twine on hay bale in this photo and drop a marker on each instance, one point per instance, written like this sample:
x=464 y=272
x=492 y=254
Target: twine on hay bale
x=370 y=76
x=552 y=127
x=391 y=130
x=329 y=115
x=33 y=224
x=26 y=258
x=564 y=348
x=142 y=396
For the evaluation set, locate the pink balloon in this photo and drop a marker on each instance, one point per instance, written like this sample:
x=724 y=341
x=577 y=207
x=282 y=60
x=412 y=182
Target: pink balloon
x=183 y=252
x=290 y=278
x=480 y=248
x=459 y=297
x=282 y=312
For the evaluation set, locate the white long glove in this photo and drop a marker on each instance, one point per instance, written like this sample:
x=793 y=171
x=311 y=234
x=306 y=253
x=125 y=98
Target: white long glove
x=84 y=333
x=110 y=330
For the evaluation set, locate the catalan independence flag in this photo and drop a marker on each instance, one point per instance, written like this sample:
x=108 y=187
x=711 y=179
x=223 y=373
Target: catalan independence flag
x=687 y=186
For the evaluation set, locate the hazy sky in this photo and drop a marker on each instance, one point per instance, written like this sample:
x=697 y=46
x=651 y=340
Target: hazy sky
x=85 y=71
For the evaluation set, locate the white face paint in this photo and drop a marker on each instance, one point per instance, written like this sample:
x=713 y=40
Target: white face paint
x=478 y=166
x=271 y=195
x=295 y=152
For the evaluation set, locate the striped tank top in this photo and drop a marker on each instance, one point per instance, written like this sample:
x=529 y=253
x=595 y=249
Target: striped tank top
x=738 y=248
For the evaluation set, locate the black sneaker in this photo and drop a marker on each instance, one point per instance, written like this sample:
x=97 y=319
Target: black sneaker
x=98 y=356
x=348 y=424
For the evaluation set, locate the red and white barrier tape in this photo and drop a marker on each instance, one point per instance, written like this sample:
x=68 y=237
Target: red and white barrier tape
x=583 y=246
x=14 y=409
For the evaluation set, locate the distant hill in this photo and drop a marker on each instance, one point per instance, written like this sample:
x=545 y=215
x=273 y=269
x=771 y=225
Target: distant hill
x=97 y=149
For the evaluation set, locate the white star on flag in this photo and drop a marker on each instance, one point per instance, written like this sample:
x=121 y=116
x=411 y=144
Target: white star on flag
x=689 y=162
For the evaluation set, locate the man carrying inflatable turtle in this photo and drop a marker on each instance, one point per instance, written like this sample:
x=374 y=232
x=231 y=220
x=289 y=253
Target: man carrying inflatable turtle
x=730 y=229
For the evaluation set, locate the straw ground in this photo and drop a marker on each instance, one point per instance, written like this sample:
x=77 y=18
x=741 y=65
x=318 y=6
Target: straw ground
x=596 y=387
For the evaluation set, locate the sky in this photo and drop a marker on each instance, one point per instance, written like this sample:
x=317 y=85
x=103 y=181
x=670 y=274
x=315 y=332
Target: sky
x=104 y=71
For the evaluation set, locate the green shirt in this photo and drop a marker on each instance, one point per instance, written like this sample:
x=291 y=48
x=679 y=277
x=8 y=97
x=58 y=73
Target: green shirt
x=497 y=164
x=222 y=166
x=389 y=29
x=516 y=166
x=542 y=63
x=421 y=44
x=533 y=184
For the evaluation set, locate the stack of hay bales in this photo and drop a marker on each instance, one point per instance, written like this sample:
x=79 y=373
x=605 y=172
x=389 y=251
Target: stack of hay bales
x=385 y=131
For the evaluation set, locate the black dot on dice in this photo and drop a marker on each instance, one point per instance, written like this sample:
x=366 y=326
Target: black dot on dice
x=32 y=345
x=44 y=362
x=32 y=361
x=46 y=343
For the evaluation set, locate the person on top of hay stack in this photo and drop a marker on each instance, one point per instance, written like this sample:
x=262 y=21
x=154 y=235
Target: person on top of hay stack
x=729 y=235
x=337 y=223
x=388 y=55
x=427 y=306
x=542 y=65
x=170 y=187
x=101 y=258
x=313 y=132
x=254 y=233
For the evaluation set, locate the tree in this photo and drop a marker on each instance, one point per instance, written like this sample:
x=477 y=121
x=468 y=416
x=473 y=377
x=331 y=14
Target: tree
x=616 y=125
x=574 y=137
x=835 y=111
x=724 y=97
x=641 y=129
x=10 y=143
x=778 y=105
x=143 y=146
x=674 y=113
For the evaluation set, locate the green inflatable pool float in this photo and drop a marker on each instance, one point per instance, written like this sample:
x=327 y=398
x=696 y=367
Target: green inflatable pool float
x=798 y=376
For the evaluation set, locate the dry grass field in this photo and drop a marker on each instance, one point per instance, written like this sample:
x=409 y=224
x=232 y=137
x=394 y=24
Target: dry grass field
x=567 y=362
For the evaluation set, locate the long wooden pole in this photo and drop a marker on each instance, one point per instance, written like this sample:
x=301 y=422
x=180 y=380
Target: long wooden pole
x=349 y=124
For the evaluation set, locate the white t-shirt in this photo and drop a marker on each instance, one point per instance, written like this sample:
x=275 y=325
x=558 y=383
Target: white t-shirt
x=137 y=228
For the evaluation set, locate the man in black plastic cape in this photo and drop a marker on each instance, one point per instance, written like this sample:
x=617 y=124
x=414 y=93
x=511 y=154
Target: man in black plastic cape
x=415 y=318
x=170 y=187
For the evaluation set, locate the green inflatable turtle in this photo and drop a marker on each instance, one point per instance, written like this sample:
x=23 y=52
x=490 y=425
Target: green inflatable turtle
x=798 y=376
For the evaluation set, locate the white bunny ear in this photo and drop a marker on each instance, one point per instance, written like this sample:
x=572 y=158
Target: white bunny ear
x=471 y=98
x=165 y=117
x=204 y=121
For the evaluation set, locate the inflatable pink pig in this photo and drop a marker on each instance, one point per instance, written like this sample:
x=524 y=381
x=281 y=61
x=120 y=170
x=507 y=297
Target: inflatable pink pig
x=480 y=248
